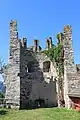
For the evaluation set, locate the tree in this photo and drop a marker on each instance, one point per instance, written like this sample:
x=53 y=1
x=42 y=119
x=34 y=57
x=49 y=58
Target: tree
x=2 y=73
x=1 y=95
x=1 y=66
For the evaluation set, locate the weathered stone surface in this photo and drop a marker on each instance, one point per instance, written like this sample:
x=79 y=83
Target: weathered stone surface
x=25 y=79
x=69 y=66
x=29 y=78
x=32 y=83
x=12 y=79
x=74 y=85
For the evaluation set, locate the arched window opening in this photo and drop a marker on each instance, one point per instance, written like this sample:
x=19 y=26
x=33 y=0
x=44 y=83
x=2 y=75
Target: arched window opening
x=46 y=66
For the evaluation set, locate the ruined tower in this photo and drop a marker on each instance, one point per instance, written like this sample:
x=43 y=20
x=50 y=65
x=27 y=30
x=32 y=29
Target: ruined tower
x=13 y=80
x=30 y=75
x=69 y=66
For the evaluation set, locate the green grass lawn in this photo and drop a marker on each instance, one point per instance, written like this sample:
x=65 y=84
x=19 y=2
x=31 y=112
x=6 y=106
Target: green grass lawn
x=39 y=114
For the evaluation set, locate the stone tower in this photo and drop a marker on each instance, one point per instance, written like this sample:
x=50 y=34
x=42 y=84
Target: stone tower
x=31 y=77
x=69 y=66
x=13 y=80
x=30 y=74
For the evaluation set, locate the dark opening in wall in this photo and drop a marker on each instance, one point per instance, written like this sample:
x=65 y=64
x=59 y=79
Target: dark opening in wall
x=30 y=67
x=18 y=74
x=24 y=44
x=36 y=42
x=46 y=66
x=39 y=103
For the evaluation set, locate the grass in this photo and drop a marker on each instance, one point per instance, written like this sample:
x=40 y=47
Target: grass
x=39 y=114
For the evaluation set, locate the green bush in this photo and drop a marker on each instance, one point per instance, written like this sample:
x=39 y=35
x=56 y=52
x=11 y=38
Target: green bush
x=1 y=95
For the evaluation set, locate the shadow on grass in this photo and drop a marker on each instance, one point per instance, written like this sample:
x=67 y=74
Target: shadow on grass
x=3 y=112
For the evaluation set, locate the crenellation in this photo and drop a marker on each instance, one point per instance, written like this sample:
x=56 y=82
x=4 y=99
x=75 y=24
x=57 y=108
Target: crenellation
x=36 y=47
x=48 y=42
x=67 y=28
x=24 y=42
x=60 y=38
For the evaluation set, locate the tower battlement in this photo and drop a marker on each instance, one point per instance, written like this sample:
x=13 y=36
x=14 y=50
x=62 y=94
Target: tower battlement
x=67 y=28
x=36 y=46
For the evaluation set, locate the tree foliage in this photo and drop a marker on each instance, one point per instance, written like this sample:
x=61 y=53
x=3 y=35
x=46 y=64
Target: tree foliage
x=2 y=66
x=1 y=95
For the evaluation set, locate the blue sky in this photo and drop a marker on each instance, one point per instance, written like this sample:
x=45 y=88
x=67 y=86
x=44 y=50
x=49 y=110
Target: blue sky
x=39 y=19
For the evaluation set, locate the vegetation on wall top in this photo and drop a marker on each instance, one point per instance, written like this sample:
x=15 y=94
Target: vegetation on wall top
x=55 y=53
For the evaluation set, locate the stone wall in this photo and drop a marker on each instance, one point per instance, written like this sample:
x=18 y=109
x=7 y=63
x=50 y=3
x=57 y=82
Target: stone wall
x=12 y=82
x=26 y=78
x=69 y=66
x=30 y=75
x=74 y=84
x=34 y=83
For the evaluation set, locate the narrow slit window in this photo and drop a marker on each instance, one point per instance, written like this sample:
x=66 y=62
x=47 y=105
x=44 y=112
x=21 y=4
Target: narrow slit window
x=30 y=67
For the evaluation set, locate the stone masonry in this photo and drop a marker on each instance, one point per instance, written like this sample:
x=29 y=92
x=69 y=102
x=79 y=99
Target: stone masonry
x=30 y=74
x=31 y=77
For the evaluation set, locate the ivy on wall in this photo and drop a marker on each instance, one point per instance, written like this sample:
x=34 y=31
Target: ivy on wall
x=55 y=53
